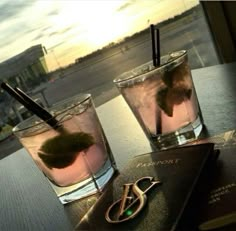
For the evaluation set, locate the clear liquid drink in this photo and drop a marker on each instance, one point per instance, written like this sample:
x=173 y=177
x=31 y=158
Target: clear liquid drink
x=75 y=157
x=164 y=101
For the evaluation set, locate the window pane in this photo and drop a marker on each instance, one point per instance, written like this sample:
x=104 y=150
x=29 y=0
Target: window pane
x=56 y=49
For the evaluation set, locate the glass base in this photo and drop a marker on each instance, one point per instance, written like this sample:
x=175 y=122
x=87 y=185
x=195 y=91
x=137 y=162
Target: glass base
x=186 y=134
x=87 y=187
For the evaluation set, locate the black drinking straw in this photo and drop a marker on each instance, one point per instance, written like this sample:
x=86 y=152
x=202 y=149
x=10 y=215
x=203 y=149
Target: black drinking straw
x=156 y=58
x=155 y=37
x=32 y=106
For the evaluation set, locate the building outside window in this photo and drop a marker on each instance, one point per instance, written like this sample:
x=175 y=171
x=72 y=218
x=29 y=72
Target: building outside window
x=72 y=47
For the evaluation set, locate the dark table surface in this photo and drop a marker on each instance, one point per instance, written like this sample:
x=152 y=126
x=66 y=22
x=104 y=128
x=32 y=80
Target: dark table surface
x=27 y=201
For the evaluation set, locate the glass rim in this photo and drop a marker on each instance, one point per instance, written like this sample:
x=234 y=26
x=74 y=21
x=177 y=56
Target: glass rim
x=83 y=96
x=181 y=53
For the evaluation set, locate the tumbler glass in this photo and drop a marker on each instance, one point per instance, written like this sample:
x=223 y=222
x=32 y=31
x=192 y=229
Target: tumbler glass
x=164 y=100
x=75 y=155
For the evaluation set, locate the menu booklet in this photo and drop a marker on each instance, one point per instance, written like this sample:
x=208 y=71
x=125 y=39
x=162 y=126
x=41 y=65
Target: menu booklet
x=213 y=204
x=218 y=207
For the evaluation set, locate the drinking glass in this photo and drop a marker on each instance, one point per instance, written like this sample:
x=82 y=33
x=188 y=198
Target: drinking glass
x=75 y=155
x=164 y=100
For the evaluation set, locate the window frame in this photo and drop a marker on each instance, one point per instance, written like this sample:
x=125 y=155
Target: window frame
x=220 y=18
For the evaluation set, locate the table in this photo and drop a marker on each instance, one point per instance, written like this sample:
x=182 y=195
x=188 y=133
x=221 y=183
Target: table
x=27 y=201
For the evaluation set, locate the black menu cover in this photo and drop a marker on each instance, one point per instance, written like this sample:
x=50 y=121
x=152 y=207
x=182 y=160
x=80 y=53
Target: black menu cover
x=178 y=171
x=219 y=209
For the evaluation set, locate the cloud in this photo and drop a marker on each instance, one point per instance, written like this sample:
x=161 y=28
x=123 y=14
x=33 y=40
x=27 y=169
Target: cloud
x=6 y=42
x=15 y=30
x=12 y=9
x=53 y=12
x=62 y=31
x=53 y=33
x=37 y=37
x=126 y=5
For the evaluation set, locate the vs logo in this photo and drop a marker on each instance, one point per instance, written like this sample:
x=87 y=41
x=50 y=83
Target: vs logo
x=132 y=201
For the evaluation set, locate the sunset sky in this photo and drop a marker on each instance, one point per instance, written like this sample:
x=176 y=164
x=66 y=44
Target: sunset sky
x=71 y=29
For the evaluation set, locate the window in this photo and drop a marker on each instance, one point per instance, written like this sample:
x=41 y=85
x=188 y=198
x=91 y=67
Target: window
x=56 y=49
x=221 y=18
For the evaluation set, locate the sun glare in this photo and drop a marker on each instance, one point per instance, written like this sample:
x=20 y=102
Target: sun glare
x=99 y=20
x=106 y=29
